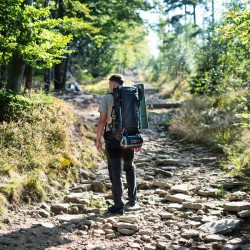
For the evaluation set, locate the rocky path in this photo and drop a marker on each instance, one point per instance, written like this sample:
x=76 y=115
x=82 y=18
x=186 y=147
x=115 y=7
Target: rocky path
x=185 y=201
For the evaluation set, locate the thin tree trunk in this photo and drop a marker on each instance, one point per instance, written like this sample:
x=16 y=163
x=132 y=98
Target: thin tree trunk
x=28 y=73
x=46 y=3
x=1 y=76
x=65 y=71
x=213 y=19
x=47 y=80
x=58 y=79
x=194 y=13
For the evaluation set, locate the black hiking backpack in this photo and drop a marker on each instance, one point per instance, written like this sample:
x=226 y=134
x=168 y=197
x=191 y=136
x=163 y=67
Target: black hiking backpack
x=126 y=119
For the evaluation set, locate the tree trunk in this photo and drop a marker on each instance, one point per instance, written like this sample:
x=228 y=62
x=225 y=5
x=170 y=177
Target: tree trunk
x=47 y=80
x=213 y=19
x=65 y=71
x=58 y=71
x=16 y=67
x=28 y=73
x=15 y=73
x=194 y=13
x=3 y=75
x=46 y=3
x=58 y=79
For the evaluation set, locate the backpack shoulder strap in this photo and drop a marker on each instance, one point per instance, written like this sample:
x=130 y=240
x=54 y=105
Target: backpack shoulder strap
x=110 y=125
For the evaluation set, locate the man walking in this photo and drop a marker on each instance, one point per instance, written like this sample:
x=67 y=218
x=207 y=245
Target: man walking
x=115 y=153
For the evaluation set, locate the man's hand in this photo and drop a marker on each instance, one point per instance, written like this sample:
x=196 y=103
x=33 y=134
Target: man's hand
x=98 y=145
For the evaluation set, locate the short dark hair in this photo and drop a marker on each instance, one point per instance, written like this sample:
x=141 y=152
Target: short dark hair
x=117 y=78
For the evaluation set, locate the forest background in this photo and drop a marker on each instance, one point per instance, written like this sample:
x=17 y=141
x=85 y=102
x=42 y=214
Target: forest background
x=46 y=44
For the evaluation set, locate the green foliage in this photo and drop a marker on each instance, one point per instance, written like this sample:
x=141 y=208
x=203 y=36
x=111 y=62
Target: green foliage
x=178 y=56
x=224 y=63
x=30 y=32
x=115 y=19
x=132 y=52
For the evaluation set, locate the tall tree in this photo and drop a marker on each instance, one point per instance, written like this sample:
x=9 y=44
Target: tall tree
x=29 y=35
x=113 y=18
x=17 y=62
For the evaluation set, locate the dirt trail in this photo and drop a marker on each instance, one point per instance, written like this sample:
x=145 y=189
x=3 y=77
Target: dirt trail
x=181 y=202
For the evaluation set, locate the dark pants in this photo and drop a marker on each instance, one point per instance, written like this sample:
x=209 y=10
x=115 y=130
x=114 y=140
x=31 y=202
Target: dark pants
x=115 y=155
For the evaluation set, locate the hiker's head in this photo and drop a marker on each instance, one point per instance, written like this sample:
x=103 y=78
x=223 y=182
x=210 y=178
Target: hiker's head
x=115 y=80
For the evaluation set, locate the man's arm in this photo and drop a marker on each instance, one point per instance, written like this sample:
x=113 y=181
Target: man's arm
x=100 y=127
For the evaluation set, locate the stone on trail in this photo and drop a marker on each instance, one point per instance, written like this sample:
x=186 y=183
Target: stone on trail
x=70 y=217
x=238 y=196
x=125 y=231
x=236 y=206
x=165 y=246
x=176 y=206
x=82 y=188
x=128 y=219
x=161 y=184
x=110 y=236
x=169 y=168
x=208 y=218
x=149 y=247
x=166 y=215
x=145 y=231
x=190 y=233
x=183 y=188
x=161 y=192
x=206 y=159
x=208 y=192
x=214 y=237
x=146 y=238
x=79 y=198
x=99 y=246
x=178 y=198
x=98 y=186
x=60 y=208
x=192 y=205
x=126 y=225
x=163 y=172
x=44 y=224
x=244 y=213
x=219 y=226
x=168 y=162
x=43 y=213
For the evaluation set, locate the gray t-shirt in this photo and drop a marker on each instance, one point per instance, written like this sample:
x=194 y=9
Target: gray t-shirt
x=106 y=106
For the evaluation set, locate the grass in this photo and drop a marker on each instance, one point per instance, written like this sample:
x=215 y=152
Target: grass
x=220 y=122
x=42 y=147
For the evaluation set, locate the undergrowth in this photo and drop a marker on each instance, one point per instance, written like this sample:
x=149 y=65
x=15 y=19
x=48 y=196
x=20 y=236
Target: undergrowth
x=42 y=146
x=221 y=122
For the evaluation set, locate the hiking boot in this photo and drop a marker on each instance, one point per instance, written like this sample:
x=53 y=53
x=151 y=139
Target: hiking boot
x=116 y=210
x=130 y=203
x=132 y=206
